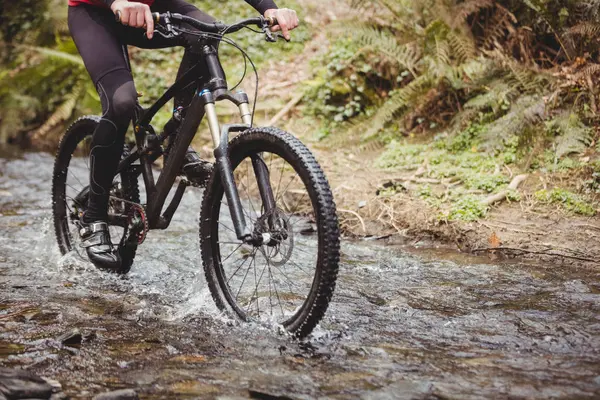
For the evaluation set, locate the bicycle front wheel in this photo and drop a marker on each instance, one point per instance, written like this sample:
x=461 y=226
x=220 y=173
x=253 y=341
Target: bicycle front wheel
x=289 y=279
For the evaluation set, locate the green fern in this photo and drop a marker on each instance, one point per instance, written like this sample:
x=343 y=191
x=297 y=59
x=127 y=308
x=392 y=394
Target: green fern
x=526 y=112
x=398 y=101
x=463 y=47
x=405 y=55
x=585 y=29
x=572 y=135
x=56 y=78
x=62 y=112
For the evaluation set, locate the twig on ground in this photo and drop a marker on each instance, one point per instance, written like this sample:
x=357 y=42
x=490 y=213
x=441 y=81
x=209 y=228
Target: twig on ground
x=288 y=107
x=493 y=227
x=509 y=170
x=587 y=226
x=362 y=223
x=514 y=184
x=544 y=253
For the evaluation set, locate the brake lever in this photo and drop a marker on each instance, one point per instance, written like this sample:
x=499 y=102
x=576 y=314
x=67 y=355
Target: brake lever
x=269 y=36
x=279 y=35
x=169 y=35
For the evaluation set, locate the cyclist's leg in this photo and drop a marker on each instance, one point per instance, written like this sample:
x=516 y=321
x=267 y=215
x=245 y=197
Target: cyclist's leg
x=96 y=35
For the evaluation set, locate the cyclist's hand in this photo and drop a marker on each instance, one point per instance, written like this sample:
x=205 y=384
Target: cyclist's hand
x=134 y=14
x=286 y=20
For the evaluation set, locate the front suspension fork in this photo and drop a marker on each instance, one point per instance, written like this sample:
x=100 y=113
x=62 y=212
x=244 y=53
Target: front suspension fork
x=220 y=139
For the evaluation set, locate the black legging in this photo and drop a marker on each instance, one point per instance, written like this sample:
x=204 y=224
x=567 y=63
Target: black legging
x=100 y=41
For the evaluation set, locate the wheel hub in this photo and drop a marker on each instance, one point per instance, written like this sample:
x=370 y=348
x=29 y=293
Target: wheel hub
x=273 y=229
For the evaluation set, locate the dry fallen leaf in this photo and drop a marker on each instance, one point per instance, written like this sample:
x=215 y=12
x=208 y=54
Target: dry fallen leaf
x=494 y=240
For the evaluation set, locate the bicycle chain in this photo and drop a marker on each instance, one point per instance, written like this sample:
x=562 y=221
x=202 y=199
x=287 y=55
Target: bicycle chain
x=135 y=207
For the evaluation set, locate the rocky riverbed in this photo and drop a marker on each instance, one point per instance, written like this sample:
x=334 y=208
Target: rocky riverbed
x=402 y=324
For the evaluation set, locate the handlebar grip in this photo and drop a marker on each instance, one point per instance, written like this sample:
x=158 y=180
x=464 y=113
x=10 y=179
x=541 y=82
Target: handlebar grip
x=271 y=20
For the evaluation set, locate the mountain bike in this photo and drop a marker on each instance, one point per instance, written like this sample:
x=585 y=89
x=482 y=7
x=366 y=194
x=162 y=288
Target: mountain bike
x=269 y=233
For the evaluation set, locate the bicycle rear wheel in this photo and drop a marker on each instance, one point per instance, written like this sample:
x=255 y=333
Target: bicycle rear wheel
x=290 y=279
x=70 y=188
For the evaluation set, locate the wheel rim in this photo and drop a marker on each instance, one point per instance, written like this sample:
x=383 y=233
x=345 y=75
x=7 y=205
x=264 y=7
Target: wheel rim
x=272 y=282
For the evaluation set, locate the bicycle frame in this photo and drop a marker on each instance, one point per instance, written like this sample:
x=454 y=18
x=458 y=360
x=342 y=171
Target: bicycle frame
x=209 y=90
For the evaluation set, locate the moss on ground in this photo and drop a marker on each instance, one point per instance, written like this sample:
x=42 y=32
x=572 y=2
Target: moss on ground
x=465 y=175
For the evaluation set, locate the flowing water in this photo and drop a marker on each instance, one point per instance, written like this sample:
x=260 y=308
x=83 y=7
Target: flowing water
x=427 y=324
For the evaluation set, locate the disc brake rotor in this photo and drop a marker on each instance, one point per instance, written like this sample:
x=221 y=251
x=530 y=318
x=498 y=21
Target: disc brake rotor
x=275 y=226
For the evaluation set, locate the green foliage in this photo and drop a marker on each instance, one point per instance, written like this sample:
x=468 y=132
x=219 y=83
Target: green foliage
x=571 y=134
x=567 y=200
x=47 y=88
x=466 y=139
x=480 y=62
x=341 y=92
x=468 y=208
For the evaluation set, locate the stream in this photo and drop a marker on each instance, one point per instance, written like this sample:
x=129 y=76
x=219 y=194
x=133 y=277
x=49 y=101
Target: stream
x=403 y=323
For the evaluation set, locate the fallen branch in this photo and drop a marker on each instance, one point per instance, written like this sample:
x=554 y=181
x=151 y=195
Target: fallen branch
x=362 y=223
x=514 y=184
x=288 y=107
x=544 y=253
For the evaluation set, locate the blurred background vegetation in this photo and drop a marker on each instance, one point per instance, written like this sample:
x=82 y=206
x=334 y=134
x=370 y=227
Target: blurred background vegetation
x=475 y=90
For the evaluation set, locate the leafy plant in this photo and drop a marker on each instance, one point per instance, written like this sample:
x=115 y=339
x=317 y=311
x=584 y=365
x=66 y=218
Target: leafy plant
x=567 y=200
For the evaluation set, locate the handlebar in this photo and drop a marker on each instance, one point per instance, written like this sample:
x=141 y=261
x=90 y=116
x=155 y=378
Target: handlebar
x=215 y=27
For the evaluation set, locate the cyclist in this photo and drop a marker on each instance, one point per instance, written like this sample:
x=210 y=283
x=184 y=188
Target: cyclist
x=100 y=40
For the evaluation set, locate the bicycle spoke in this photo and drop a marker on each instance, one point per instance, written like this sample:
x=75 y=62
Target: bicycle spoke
x=75 y=176
x=255 y=291
x=299 y=267
x=276 y=291
x=225 y=226
x=244 y=280
x=243 y=209
x=289 y=282
x=298 y=203
x=279 y=183
x=288 y=185
x=226 y=258
x=256 y=286
x=238 y=268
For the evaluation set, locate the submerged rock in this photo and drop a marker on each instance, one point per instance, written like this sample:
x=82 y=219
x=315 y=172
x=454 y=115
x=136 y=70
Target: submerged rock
x=71 y=338
x=19 y=384
x=124 y=394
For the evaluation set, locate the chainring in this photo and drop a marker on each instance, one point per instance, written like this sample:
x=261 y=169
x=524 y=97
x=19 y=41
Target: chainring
x=137 y=223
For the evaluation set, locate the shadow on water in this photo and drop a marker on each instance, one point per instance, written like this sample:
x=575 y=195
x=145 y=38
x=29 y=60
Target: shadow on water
x=402 y=324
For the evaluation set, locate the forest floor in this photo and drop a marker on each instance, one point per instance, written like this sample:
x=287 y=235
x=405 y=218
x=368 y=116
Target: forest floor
x=387 y=203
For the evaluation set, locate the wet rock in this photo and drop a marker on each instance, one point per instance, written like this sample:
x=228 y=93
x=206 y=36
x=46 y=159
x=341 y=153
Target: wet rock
x=18 y=384
x=373 y=298
x=260 y=394
x=71 y=338
x=124 y=394
x=59 y=396
x=56 y=386
x=194 y=388
x=402 y=390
